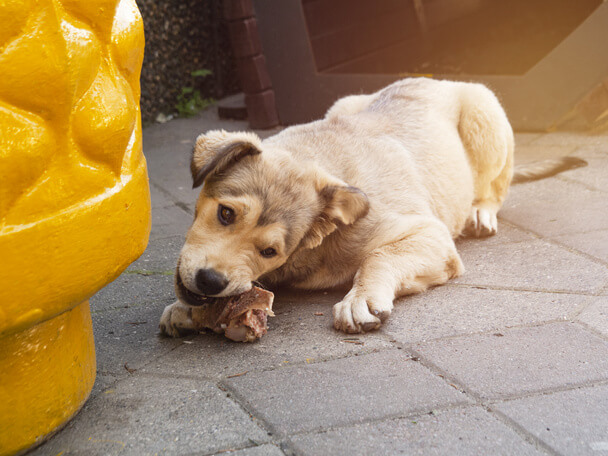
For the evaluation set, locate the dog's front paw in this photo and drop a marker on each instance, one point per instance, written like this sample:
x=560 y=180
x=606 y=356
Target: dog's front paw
x=355 y=314
x=176 y=320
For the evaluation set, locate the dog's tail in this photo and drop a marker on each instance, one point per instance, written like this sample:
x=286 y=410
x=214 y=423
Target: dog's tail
x=545 y=168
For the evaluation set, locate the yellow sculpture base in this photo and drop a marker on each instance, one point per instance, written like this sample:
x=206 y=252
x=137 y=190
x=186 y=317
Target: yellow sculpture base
x=46 y=374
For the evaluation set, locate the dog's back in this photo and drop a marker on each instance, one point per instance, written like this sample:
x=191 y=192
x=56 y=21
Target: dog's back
x=401 y=146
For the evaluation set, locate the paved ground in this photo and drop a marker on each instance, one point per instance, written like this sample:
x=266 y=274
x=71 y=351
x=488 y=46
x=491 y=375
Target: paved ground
x=511 y=358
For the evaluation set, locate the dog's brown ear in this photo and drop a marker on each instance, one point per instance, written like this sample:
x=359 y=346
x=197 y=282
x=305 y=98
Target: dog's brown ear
x=343 y=205
x=217 y=150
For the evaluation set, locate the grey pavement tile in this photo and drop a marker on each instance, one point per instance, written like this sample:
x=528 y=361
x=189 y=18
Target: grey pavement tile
x=165 y=137
x=295 y=335
x=522 y=360
x=104 y=382
x=531 y=265
x=344 y=391
x=553 y=207
x=595 y=174
x=564 y=138
x=455 y=310
x=570 y=422
x=463 y=431
x=135 y=288
x=596 y=315
x=146 y=416
x=594 y=243
x=129 y=339
x=176 y=180
x=261 y=450
x=159 y=198
x=169 y=221
x=160 y=256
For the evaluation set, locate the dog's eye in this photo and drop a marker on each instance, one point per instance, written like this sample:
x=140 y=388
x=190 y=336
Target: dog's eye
x=268 y=252
x=225 y=215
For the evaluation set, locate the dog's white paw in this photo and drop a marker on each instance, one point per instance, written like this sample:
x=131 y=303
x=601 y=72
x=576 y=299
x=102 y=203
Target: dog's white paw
x=481 y=223
x=355 y=314
x=176 y=320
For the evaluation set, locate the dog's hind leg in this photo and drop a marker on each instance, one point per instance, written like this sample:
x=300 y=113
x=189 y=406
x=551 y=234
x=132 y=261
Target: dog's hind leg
x=488 y=140
x=423 y=255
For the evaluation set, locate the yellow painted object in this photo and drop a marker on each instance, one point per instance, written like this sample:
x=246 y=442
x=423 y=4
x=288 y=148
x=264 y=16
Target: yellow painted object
x=74 y=197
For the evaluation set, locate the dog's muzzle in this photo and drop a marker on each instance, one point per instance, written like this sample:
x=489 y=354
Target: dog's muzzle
x=186 y=296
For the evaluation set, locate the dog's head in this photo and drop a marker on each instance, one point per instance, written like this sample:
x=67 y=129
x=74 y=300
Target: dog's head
x=255 y=209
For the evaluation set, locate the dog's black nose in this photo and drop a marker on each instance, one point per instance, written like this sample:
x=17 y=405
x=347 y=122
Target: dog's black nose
x=210 y=282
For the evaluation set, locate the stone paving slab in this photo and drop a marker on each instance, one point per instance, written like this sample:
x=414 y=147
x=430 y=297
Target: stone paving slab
x=594 y=243
x=159 y=257
x=136 y=288
x=462 y=431
x=571 y=422
x=129 y=339
x=295 y=335
x=522 y=360
x=594 y=175
x=343 y=391
x=146 y=416
x=531 y=265
x=456 y=310
x=554 y=207
x=596 y=315
x=170 y=221
x=262 y=450
x=159 y=198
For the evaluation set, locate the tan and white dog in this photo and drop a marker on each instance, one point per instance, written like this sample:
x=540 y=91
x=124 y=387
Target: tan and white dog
x=372 y=195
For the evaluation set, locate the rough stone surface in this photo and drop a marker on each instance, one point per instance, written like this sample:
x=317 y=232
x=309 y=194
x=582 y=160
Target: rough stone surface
x=596 y=315
x=462 y=431
x=262 y=450
x=561 y=213
x=451 y=311
x=129 y=339
x=594 y=243
x=570 y=422
x=136 y=288
x=522 y=360
x=532 y=265
x=170 y=221
x=160 y=257
x=343 y=391
x=594 y=175
x=144 y=415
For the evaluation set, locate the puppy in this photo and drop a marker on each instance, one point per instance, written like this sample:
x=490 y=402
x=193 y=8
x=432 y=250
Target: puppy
x=372 y=195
